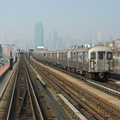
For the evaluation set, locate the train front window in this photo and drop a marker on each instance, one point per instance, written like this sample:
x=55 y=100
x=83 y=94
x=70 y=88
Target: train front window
x=93 y=55
x=109 y=55
x=100 y=55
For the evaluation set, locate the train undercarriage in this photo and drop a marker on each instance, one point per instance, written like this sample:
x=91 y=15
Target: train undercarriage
x=100 y=76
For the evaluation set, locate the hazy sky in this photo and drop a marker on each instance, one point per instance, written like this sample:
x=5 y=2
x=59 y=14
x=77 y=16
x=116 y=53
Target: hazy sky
x=75 y=18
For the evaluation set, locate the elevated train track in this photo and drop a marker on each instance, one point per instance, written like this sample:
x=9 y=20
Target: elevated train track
x=36 y=98
x=94 y=104
x=20 y=99
x=108 y=87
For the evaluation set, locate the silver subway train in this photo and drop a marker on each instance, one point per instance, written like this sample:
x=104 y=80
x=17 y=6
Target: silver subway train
x=94 y=62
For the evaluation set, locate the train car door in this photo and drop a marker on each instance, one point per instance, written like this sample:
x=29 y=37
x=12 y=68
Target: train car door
x=92 y=61
x=101 y=61
x=77 y=64
x=83 y=60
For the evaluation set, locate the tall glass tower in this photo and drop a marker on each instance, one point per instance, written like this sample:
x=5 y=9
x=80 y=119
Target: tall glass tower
x=39 y=36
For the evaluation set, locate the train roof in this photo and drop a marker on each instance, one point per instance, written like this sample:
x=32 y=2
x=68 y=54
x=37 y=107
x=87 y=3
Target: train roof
x=65 y=50
x=100 y=48
x=96 y=48
x=80 y=49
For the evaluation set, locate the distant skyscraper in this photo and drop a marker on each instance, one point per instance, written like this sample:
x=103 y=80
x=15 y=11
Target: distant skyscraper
x=39 y=35
x=55 y=40
x=99 y=36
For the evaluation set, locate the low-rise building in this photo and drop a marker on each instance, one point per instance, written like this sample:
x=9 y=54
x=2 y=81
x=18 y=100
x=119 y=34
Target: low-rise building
x=7 y=49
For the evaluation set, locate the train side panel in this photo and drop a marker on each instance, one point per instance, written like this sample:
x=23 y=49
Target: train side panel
x=63 y=58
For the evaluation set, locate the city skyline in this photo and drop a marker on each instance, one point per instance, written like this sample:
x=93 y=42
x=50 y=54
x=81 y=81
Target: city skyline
x=57 y=42
x=81 y=20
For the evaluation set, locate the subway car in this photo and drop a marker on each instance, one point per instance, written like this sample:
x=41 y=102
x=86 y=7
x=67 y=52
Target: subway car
x=93 y=62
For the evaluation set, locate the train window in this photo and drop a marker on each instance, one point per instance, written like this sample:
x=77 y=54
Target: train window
x=93 y=55
x=60 y=56
x=109 y=55
x=81 y=56
x=86 y=56
x=74 y=57
x=63 y=56
x=100 y=55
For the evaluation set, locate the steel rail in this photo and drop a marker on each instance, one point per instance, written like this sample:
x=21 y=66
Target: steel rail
x=12 y=96
x=105 y=102
x=102 y=86
x=73 y=96
x=113 y=107
x=21 y=103
x=34 y=98
x=77 y=87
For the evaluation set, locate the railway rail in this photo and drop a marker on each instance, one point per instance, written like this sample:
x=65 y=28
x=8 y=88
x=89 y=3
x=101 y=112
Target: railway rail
x=27 y=102
x=109 y=87
x=20 y=99
x=5 y=97
x=95 y=105
x=47 y=101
